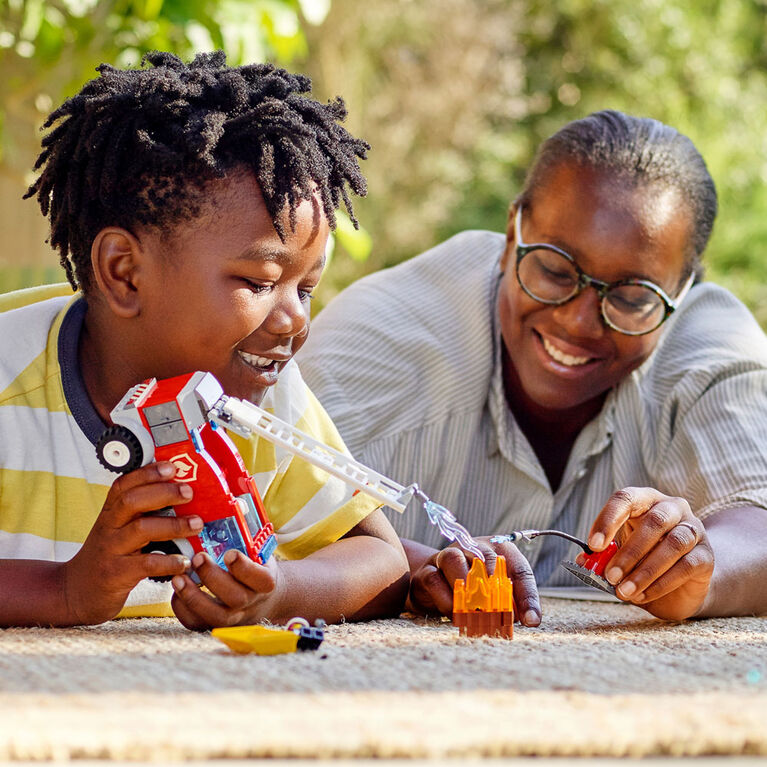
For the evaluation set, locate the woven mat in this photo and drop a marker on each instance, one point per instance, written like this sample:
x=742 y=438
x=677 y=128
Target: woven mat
x=596 y=679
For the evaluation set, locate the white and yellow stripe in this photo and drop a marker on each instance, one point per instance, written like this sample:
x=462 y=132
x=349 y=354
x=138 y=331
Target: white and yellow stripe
x=52 y=487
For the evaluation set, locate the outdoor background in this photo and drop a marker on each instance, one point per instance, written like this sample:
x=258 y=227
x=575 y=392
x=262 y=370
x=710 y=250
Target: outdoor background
x=453 y=95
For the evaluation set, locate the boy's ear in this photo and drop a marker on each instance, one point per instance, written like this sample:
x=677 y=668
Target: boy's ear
x=115 y=256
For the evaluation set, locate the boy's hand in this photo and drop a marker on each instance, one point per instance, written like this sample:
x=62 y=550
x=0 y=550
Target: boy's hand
x=665 y=562
x=246 y=593
x=431 y=585
x=110 y=563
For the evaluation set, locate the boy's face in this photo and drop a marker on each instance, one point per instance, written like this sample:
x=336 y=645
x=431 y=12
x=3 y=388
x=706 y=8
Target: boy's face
x=222 y=293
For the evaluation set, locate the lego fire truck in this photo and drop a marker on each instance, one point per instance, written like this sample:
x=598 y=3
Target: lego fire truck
x=180 y=420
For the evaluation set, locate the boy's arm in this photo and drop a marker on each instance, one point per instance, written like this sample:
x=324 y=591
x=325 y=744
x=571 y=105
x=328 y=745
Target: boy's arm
x=32 y=593
x=93 y=586
x=361 y=576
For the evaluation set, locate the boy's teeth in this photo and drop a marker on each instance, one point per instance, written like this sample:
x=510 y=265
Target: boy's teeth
x=252 y=359
x=560 y=356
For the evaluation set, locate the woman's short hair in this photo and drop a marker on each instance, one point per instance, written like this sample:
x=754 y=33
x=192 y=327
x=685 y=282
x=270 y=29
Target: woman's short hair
x=640 y=151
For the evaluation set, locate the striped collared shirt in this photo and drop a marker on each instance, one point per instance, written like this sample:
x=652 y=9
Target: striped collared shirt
x=407 y=363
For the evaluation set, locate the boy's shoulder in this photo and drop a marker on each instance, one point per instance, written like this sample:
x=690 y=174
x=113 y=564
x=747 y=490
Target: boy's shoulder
x=33 y=296
x=28 y=329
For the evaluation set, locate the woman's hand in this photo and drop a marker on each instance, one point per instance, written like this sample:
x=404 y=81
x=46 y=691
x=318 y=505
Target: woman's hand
x=431 y=585
x=665 y=561
x=243 y=594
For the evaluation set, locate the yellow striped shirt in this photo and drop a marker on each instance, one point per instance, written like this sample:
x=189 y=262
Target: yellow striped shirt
x=52 y=486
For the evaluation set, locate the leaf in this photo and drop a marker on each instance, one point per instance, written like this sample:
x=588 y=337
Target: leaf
x=356 y=242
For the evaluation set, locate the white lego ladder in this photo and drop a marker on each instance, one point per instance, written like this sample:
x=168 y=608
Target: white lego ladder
x=247 y=418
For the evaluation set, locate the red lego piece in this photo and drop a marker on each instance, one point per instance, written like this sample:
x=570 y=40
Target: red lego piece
x=597 y=561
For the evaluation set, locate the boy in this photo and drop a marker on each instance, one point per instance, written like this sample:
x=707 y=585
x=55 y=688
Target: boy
x=191 y=207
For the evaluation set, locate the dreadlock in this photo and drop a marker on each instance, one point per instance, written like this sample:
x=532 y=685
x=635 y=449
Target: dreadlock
x=137 y=147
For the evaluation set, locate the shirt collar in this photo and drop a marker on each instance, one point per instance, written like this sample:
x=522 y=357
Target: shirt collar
x=72 y=382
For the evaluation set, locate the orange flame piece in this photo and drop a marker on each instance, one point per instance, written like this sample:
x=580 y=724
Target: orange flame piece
x=483 y=605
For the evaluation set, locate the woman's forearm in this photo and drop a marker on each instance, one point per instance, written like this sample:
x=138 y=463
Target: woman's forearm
x=739 y=583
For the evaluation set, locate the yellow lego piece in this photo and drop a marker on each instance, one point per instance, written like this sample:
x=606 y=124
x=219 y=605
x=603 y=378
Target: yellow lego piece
x=257 y=639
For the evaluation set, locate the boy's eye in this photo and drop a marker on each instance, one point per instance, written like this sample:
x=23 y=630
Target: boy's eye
x=255 y=286
x=305 y=295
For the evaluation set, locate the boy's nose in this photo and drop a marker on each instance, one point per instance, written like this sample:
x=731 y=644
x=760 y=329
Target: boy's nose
x=289 y=317
x=582 y=315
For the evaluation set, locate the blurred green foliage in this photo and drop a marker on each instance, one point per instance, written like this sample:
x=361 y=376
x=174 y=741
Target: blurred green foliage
x=456 y=95
x=453 y=95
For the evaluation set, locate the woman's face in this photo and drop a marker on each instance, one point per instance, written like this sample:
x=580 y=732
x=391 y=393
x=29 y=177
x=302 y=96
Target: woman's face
x=564 y=358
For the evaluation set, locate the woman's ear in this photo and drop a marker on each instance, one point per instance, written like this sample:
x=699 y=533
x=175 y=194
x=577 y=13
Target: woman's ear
x=508 y=251
x=115 y=257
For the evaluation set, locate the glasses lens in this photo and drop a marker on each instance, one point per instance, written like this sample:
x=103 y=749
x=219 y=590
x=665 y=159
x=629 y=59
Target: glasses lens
x=634 y=308
x=547 y=275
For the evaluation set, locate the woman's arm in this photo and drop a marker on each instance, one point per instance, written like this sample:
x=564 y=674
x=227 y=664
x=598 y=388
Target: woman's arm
x=739 y=583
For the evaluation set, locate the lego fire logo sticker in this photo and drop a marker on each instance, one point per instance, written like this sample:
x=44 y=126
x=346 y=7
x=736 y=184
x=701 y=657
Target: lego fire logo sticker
x=186 y=468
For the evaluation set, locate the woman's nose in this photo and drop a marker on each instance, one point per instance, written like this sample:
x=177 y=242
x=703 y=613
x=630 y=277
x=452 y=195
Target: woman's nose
x=582 y=315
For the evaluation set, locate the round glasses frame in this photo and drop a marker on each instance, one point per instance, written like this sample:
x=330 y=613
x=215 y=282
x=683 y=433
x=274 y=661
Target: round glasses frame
x=670 y=305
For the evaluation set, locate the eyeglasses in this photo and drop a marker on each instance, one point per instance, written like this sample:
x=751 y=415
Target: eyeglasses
x=551 y=276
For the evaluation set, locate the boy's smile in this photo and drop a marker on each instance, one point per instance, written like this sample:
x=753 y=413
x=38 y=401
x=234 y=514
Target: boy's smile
x=220 y=293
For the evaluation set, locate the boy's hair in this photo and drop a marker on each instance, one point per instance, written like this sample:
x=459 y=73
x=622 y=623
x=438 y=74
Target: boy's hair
x=138 y=147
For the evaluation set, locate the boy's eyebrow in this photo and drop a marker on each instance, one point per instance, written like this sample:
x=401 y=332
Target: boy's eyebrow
x=276 y=255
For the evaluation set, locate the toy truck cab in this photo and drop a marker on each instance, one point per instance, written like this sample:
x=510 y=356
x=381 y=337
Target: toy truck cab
x=167 y=421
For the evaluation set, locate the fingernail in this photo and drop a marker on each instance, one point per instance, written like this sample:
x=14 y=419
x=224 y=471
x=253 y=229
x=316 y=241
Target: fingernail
x=597 y=541
x=198 y=559
x=627 y=589
x=614 y=575
x=186 y=563
x=237 y=617
x=532 y=618
x=185 y=491
x=230 y=556
x=178 y=583
x=166 y=469
x=195 y=522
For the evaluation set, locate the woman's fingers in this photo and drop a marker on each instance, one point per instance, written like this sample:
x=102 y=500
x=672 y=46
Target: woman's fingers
x=649 y=534
x=693 y=569
x=621 y=506
x=671 y=562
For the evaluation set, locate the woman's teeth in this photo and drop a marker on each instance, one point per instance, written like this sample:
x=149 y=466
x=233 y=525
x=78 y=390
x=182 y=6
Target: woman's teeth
x=560 y=356
x=256 y=362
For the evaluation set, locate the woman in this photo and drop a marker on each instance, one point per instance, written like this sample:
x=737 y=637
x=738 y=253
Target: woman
x=569 y=376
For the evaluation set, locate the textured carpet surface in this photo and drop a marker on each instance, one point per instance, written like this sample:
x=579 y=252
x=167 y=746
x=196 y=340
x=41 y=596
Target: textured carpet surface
x=596 y=679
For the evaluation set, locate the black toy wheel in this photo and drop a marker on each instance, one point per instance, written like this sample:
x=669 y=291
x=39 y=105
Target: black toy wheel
x=118 y=449
x=161 y=547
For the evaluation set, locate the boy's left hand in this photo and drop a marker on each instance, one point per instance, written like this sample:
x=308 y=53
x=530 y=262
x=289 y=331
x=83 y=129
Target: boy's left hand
x=244 y=594
x=665 y=563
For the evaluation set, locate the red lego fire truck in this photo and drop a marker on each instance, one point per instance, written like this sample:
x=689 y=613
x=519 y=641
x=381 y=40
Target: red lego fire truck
x=167 y=421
